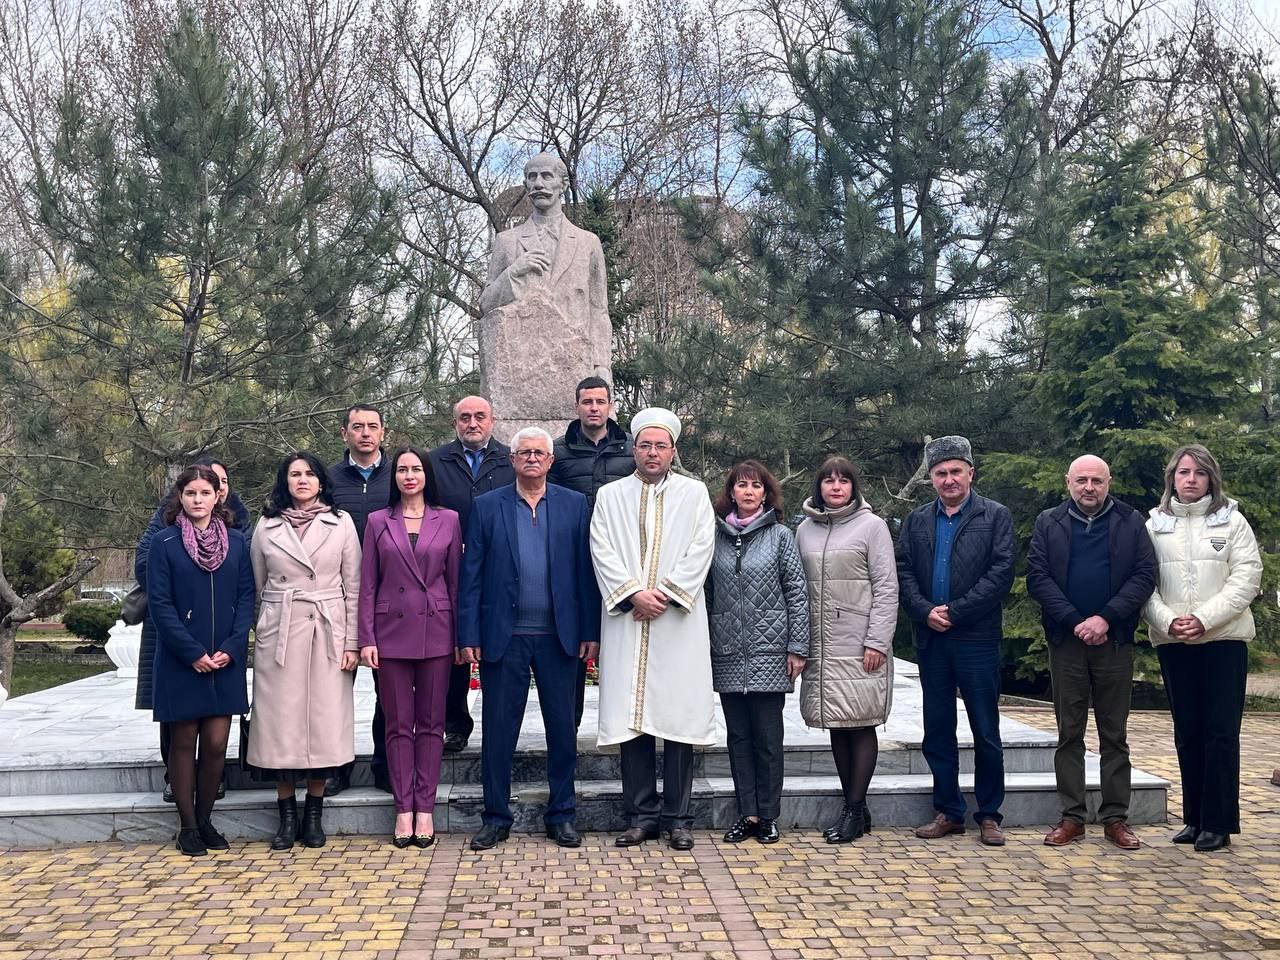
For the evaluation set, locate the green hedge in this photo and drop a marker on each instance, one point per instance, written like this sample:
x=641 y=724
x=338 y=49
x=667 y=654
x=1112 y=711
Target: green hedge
x=89 y=620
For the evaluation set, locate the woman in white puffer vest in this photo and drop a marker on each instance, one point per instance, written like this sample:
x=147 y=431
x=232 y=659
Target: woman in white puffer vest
x=1210 y=571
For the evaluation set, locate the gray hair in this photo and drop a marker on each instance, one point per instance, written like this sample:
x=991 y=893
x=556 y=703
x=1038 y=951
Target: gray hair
x=527 y=432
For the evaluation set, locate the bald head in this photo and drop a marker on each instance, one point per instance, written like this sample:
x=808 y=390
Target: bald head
x=473 y=419
x=1089 y=483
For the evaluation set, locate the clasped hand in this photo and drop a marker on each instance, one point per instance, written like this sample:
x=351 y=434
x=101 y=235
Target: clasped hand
x=648 y=604
x=1093 y=630
x=1186 y=628
x=209 y=663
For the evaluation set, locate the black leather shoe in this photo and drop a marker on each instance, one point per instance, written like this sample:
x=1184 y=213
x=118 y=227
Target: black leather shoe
x=222 y=792
x=335 y=785
x=850 y=826
x=768 y=832
x=634 y=836
x=211 y=837
x=1187 y=834
x=678 y=838
x=401 y=843
x=288 y=829
x=312 y=828
x=189 y=842
x=423 y=840
x=455 y=742
x=489 y=836
x=744 y=827
x=168 y=796
x=1208 y=840
x=564 y=834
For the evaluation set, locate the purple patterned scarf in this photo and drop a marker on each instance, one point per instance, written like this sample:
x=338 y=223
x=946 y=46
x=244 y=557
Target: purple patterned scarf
x=207 y=547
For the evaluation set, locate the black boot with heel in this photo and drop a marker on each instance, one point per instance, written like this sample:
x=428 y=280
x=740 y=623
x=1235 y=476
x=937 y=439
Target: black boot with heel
x=288 y=832
x=312 y=828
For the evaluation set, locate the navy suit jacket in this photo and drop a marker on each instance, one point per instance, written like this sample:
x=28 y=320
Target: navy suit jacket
x=490 y=586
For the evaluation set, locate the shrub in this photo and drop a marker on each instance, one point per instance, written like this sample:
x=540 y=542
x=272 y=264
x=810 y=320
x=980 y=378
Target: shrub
x=91 y=620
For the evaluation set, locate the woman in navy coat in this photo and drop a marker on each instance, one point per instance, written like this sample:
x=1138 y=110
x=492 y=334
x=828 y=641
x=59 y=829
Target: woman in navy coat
x=200 y=594
x=408 y=633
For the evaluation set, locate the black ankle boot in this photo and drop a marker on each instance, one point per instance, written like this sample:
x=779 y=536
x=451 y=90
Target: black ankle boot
x=189 y=842
x=211 y=837
x=312 y=829
x=844 y=812
x=283 y=840
x=850 y=826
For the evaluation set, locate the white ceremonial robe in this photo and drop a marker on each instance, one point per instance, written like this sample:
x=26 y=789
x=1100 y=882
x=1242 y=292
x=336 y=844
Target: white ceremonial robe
x=655 y=677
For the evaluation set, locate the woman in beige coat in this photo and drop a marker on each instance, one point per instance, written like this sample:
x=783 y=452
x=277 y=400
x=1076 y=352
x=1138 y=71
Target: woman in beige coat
x=306 y=560
x=847 y=683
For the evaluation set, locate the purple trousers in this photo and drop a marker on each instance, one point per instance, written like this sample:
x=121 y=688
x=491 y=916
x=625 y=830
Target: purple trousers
x=413 y=694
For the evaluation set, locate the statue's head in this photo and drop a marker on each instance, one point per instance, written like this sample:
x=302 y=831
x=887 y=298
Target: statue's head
x=545 y=178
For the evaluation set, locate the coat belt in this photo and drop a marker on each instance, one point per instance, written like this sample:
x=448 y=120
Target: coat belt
x=318 y=599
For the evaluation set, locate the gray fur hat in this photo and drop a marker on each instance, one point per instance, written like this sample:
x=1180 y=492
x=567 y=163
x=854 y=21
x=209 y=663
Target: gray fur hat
x=947 y=448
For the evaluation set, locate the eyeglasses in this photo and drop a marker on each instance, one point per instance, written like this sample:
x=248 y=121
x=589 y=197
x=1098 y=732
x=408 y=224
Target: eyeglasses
x=531 y=454
x=647 y=447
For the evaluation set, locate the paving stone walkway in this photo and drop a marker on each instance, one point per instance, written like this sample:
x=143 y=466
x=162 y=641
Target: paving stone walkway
x=888 y=895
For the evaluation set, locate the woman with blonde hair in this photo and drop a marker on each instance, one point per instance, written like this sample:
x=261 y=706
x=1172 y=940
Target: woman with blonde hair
x=1210 y=571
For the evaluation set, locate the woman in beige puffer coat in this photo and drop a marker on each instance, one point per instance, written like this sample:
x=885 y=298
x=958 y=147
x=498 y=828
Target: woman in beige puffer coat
x=1200 y=623
x=847 y=684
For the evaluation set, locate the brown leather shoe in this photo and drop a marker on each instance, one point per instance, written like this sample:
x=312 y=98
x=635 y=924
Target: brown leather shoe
x=633 y=836
x=1065 y=832
x=678 y=838
x=989 y=832
x=939 y=826
x=1275 y=776
x=1122 y=835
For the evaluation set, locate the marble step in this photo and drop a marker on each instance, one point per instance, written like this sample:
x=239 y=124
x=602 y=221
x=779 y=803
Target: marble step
x=897 y=801
x=79 y=774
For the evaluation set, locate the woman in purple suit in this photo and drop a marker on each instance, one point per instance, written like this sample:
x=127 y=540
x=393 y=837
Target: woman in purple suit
x=408 y=632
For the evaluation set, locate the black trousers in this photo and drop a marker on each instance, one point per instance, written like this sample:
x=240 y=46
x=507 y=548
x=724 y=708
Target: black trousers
x=753 y=723
x=1205 y=683
x=640 y=783
x=457 y=717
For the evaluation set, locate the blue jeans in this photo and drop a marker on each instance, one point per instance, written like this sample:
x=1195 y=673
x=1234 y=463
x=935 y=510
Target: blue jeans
x=973 y=666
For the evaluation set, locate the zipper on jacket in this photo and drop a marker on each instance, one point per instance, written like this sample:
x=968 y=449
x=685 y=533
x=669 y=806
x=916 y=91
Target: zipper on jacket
x=213 y=628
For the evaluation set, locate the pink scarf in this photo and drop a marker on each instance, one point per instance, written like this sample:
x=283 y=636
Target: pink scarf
x=741 y=523
x=207 y=547
x=300 y=519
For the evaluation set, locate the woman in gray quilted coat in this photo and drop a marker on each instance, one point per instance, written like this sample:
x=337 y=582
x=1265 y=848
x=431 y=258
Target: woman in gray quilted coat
x=759 y=639
x=847 y=685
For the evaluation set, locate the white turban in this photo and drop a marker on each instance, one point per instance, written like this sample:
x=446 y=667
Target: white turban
x=656 y=417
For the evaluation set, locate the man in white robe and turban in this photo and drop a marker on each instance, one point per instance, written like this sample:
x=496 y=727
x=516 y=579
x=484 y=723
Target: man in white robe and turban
x=652 y=537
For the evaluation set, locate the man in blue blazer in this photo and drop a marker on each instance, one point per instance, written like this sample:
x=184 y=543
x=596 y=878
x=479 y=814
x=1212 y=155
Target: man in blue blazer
x=529 y=601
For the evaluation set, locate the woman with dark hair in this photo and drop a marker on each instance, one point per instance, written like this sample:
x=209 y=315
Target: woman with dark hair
x=1200 y=624
x=200 y=597
x=853 y=607
x=759 y=639
x=306 y=562
x=147 y=649
x=408 y=632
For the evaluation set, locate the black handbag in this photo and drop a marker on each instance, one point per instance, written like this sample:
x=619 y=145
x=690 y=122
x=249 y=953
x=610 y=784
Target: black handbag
x=133 y=608
x=244 y=740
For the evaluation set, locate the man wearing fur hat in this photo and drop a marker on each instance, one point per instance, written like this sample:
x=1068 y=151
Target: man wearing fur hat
x=955 y=566
x=652 y=537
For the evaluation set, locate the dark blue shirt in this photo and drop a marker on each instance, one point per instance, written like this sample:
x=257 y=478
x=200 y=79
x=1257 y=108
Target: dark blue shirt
x=534 y=614
x=1089 y=564
x=944 y=535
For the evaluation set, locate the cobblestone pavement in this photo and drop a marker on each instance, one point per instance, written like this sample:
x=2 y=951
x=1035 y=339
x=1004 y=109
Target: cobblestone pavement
x=888 y=895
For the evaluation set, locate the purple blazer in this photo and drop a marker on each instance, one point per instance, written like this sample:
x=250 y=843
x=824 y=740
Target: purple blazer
x=409 y=598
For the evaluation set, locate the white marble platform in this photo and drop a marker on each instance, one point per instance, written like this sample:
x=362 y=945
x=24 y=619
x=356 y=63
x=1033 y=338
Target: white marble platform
x=78 y=763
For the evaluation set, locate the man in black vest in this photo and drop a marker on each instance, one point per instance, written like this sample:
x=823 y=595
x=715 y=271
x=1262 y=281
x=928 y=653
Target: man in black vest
x=361 y=484
x=1091 y=568
x=473 y=464
x=593 y=451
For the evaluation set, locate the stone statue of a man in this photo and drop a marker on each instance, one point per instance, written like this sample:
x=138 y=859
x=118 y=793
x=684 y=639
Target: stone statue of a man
x=544 y=322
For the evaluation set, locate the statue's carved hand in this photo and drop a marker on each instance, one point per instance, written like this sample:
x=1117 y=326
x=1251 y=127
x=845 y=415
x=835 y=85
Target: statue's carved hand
x=531 y=261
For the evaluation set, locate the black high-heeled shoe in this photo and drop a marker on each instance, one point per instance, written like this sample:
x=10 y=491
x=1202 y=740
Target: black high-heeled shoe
x=850 y=826
x=401 y=842
x=423 y=840
x=1208 y=840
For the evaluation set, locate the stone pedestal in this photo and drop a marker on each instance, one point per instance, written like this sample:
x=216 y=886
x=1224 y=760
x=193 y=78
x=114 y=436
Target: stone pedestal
x=123 y=645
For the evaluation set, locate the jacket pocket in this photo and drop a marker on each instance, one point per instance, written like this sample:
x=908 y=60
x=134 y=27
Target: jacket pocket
x=382 y=607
